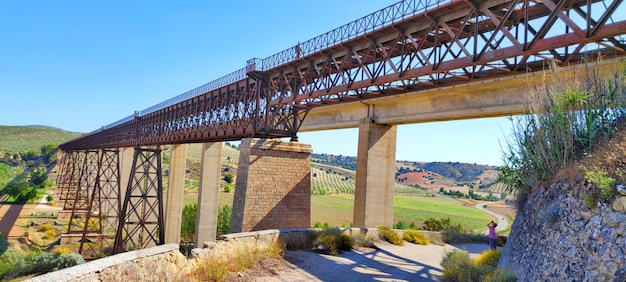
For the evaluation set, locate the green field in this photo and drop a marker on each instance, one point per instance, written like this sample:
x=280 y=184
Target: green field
x=336 y=210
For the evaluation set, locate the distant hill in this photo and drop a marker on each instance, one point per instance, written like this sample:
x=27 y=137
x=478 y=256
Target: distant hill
x=426 y=174
x=24 y=138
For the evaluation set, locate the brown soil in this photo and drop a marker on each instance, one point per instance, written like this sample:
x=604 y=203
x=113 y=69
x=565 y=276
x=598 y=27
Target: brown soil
x=503 y=209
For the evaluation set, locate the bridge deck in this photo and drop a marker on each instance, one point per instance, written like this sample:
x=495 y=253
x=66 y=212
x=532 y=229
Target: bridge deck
x=407 y=47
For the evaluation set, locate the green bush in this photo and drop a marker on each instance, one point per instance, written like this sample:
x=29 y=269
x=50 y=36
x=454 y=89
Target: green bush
x=454 y=258
x=333 y=240
x=415 y=237
x=320 y=225
x=228 y=178
x=457 y=266
x=400 y=225
x=188 y=223
x=40 y=263
x=443 y=224
x=227 y=187
x=389 y=235
x=489 y=257
x=500 y=275
x=604 y=182
x=223 y=220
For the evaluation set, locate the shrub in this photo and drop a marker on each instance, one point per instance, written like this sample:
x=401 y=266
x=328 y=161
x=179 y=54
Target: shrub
x=604 y=182
x=223 y=220
x=566 y=117
x=455 y=257
x=333 y=240
x=45 y=227
x=228 y=178
x=500 y=275
x=228 y=187
x=50 y=234
x=489 y=257
x=39 y=263
x=400 y=225
x=443 y=224
x=457 y=266
x=415 y=237
x=362 y=240
x=389 y=235
x=63 y=250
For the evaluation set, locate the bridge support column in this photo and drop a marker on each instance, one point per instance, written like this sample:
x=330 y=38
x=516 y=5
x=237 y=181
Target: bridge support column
x=375 y=170
x=175 y=193
x=210 y=175
x=126 y=166
x=273 y=186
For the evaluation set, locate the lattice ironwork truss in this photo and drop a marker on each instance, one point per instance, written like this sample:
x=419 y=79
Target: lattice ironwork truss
x=407 y=47
x=103 y=212
x=141 y=218
x=80 y=201
x=67 y=179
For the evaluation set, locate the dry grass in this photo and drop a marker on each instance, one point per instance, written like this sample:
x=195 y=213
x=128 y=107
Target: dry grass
x=226 y=266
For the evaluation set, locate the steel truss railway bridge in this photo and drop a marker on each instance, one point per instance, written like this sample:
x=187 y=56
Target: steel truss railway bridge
x=111 y=179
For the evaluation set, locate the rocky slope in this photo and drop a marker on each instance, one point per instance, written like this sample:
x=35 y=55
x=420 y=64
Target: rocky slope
x=560 y=235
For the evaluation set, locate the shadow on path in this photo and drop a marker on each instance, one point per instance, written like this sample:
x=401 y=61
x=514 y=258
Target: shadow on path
x=388 y=262
x=8 y=216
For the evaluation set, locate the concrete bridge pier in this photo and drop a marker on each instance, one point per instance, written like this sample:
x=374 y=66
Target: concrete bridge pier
x=175 y=193
x=375 y=173
x=210 y=175
x=273 y=186
x=126 y=166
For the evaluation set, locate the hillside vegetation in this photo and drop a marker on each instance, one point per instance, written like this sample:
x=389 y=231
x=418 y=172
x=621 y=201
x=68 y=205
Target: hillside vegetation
x=24 y=138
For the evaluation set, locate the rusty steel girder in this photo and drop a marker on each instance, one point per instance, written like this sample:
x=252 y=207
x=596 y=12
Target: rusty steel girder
x=406 y=47
x=67 y=179
x=104 y=208
x=457 y=43
x=141 y=221
x=79 y=200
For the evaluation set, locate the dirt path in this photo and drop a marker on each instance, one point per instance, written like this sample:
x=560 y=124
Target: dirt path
x=503 y=223
x=10 y=213
x=386 y=262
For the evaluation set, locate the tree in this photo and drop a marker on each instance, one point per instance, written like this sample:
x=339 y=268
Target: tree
x=223 y=220
x=228 y=178
x=48 y=152
x=21 y=191
x=30 y=155
x=188 y=223
x=39 y=176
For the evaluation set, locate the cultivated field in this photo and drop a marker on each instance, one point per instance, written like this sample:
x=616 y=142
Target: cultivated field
x=336 y=209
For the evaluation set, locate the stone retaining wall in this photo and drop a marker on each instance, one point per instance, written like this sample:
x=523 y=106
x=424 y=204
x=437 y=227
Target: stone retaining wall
x=556 y=237
x=166 y=263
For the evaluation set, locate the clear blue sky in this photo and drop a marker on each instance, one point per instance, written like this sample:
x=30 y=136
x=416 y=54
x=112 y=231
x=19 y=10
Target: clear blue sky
x=78 y=65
